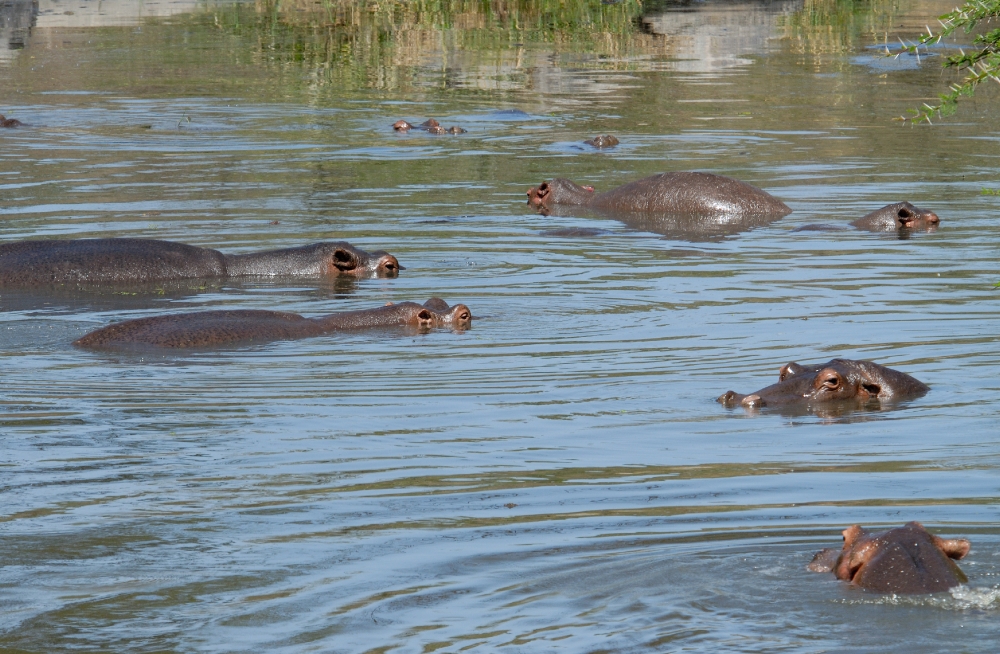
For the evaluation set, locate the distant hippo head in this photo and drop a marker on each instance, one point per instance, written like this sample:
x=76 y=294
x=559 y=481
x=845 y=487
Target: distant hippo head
x=907 y=559
x=559 y=191
x=899 y=216
x=837 y=381
x=435 y=312
x=344 y=259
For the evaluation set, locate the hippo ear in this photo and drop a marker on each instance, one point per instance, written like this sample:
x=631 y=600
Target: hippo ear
x=345 y=260
x=851 y=534
x=954 y=548
x=789 y=369
x=425 y=317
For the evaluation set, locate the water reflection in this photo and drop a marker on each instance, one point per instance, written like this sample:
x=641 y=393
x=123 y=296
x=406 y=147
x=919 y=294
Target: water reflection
x=712 y=35
x=24 y=19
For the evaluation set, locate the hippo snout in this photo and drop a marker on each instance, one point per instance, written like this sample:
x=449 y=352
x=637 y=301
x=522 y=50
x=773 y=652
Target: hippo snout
x=752 y=401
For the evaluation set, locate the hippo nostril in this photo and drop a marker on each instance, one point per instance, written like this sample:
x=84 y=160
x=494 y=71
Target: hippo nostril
x=905 y=213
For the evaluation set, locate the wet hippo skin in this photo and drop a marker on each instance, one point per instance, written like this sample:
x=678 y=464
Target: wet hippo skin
x=214 y=328
x=837 y=381
x=907 y=559
x=9 y=122
x=702 y=194
x=118 y=260
x=901 y=215
x=694 y=206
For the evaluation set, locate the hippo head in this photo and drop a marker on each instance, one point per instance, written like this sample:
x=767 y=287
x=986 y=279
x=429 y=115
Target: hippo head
x=559 y=191
x=901 y=216
x=402 y=126
x=435 y=312
x=345 y=259
x=837 y=381
x=907 y=559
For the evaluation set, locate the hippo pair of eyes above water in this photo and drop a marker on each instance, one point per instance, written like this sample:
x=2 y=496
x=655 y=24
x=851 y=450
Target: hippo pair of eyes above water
x=842 y=382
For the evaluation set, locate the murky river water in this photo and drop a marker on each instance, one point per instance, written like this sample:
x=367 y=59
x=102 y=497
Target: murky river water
x=560 y=476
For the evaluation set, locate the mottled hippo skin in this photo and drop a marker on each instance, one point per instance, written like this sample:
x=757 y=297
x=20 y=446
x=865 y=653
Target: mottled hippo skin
x=907 y=559
x=691 y=206
x=120 y=260
x=840 y=381
x=898 y=216
x=699 y=194
x=214 y=328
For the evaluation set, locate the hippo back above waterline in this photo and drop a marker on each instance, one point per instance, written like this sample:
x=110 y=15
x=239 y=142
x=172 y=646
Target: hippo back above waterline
x=842 y=382
x=229 y=327
x=687 y=205
x=137 y=260
x=907 y=559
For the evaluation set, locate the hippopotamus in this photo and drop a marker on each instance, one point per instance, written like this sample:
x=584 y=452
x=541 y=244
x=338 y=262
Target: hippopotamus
x=226 y=327
x=684 y=204
x=430 y=126
x=839 y=381
x=900 y=217
x=121 y=260
x=907 y=559
x=606 y=141
x=9 y=122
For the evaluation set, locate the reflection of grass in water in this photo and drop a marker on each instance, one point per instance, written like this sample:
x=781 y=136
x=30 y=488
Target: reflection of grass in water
x=830 y=26
x=375 y=44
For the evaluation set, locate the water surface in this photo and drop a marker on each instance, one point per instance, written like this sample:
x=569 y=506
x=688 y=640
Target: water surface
x=560 y=476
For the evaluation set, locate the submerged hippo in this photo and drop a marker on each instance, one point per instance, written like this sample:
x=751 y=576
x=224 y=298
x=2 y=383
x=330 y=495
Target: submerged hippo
x=838 y=381
x=212 y=328
x=606 y=141
x=685 y=205
x=900 y=217
x=907 y=559
x=119 y=260
x=9 y=122
x=430 y=126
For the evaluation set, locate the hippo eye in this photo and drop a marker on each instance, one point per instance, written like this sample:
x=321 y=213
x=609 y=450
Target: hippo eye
x=873 y=389
x=464 y=315
x=831 y=382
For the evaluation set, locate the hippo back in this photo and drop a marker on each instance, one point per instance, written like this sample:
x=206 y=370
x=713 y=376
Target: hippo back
x=202 y=329
x=690 y=193
x=104 y=260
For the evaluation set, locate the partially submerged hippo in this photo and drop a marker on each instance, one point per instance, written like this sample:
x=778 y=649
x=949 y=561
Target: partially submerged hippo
x=120 y=260
x=684 y=204
x=907 y=559
x=900 y=217
x=213 y=328
x=843 y=381
x=606 y=141
x=430 y=126
x=9 y=122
